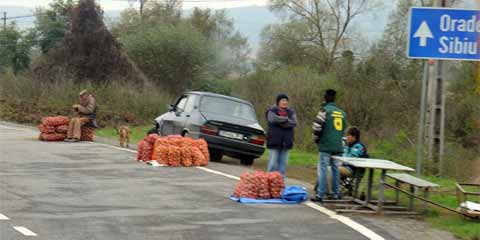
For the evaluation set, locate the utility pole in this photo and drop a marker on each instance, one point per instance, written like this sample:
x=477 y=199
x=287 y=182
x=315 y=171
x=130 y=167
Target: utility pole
x=436 y=112
x=142 y=5
x=4 y=21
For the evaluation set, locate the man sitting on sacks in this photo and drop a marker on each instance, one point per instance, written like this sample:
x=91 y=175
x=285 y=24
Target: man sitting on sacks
x=85 y=113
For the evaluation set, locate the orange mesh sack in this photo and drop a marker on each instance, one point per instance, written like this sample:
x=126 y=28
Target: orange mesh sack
x=160 y=154
x=62 y=129
x=246 y=186
x=202 y=145
x=55 y=121
x=197 y=156
x=144 y=151
x=88 y=133
x=46 y=129
x=251 y=187
x=174 y=156
x=186 y=157
x=151 y=138
x=241 y=188
x=262 y=183
x=52 y=137
x=140 y=147
x=276 y=184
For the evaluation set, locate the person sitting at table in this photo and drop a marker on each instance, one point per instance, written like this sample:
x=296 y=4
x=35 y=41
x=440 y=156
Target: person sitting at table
x=353 y=148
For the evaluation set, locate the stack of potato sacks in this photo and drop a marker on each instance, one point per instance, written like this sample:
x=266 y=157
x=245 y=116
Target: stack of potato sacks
x=174 y=151
x=53 y=128
x=88 y=133
x=260 y=185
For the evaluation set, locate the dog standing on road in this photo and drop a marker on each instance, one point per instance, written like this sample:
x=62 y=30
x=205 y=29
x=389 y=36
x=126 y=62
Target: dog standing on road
x=124 y=136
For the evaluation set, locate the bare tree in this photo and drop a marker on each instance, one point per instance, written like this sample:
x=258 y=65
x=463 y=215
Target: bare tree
x=328 y=21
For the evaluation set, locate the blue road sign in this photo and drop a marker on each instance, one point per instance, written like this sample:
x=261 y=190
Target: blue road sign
x=444 y=33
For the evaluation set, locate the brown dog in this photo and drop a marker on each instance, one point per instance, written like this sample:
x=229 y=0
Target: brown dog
x=124 y=135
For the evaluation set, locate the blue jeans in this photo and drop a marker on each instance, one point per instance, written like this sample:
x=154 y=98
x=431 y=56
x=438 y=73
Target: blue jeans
x=322 y=187
x=277 y=160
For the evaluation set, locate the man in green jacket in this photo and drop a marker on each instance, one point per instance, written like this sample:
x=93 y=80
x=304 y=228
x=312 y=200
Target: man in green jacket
x=329 y=142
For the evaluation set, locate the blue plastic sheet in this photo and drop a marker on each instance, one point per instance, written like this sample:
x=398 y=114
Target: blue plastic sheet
x=291 y=195
x=245 y=200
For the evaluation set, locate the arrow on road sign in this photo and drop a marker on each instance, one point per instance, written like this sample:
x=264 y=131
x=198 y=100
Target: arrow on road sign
x=423 y=32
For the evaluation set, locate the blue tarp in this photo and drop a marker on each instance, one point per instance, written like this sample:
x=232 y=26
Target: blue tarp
x=291 y=195
x=245 y=200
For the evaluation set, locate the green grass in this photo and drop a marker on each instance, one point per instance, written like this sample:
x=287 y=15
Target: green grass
x=138 y=133
x=298 y=158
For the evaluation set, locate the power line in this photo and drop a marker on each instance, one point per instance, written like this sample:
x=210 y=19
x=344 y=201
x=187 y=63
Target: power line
x=31 y=41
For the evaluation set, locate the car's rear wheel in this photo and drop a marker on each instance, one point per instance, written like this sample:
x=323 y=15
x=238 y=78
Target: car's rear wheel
x=215 y=155
x=247 y=161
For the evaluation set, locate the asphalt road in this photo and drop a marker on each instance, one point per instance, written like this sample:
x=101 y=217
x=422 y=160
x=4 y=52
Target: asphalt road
x=93 y=191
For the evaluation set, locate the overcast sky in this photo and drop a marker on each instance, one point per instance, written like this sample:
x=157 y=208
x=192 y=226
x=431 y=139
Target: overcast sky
x=122 y=4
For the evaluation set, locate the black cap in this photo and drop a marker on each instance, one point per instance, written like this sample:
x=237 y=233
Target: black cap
x=281 y=96
x=330 y=92
x=330 y=95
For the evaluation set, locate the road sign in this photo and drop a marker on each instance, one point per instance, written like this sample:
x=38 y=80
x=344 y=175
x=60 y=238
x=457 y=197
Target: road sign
x=444 y=33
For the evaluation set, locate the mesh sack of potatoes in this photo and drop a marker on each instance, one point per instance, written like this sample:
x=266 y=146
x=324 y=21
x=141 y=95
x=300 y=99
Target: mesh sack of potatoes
x=46 y=129
x=144 y=151
x=62 y=129
x=151 y=138
x=262 y=183
x=276 y=184
x=88 y=133
x=197 y=157
x=187 y=160
x=52 y=137
x=55 y=121
x=174 y=156
x=202 y=145
x=246 y=187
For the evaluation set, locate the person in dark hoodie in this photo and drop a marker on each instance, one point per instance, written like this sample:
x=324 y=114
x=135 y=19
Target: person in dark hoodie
x=281 y=123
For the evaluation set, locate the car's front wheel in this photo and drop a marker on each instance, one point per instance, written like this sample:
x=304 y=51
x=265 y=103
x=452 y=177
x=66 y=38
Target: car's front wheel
x=247 y=160
x=152 y=131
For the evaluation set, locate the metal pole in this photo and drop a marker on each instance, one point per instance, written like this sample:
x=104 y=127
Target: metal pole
x=440 y=108
x=422 y=119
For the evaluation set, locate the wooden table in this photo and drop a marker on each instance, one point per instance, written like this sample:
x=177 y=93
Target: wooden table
x=372 y=164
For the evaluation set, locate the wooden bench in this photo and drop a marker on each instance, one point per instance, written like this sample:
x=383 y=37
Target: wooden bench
x=413 y=182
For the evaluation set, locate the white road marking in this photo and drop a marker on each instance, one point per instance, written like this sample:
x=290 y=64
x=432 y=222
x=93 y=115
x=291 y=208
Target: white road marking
x=18 y=129
x=219 y=173
x=3 y=217
x=114 y=147
x=345 y=220
x=25 y=231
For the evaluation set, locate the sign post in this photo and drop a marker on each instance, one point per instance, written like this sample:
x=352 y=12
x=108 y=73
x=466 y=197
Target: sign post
x=440 y=34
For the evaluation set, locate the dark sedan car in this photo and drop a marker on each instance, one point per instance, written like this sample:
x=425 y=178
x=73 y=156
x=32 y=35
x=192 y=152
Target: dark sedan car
x=229 y=125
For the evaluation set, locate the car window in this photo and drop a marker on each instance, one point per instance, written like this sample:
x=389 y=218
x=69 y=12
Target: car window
x=227 y=107
x=190 y=104
x=181 y=104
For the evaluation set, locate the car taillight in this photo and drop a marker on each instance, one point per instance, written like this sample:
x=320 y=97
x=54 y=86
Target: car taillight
x=209 y=129
x=257 y=139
